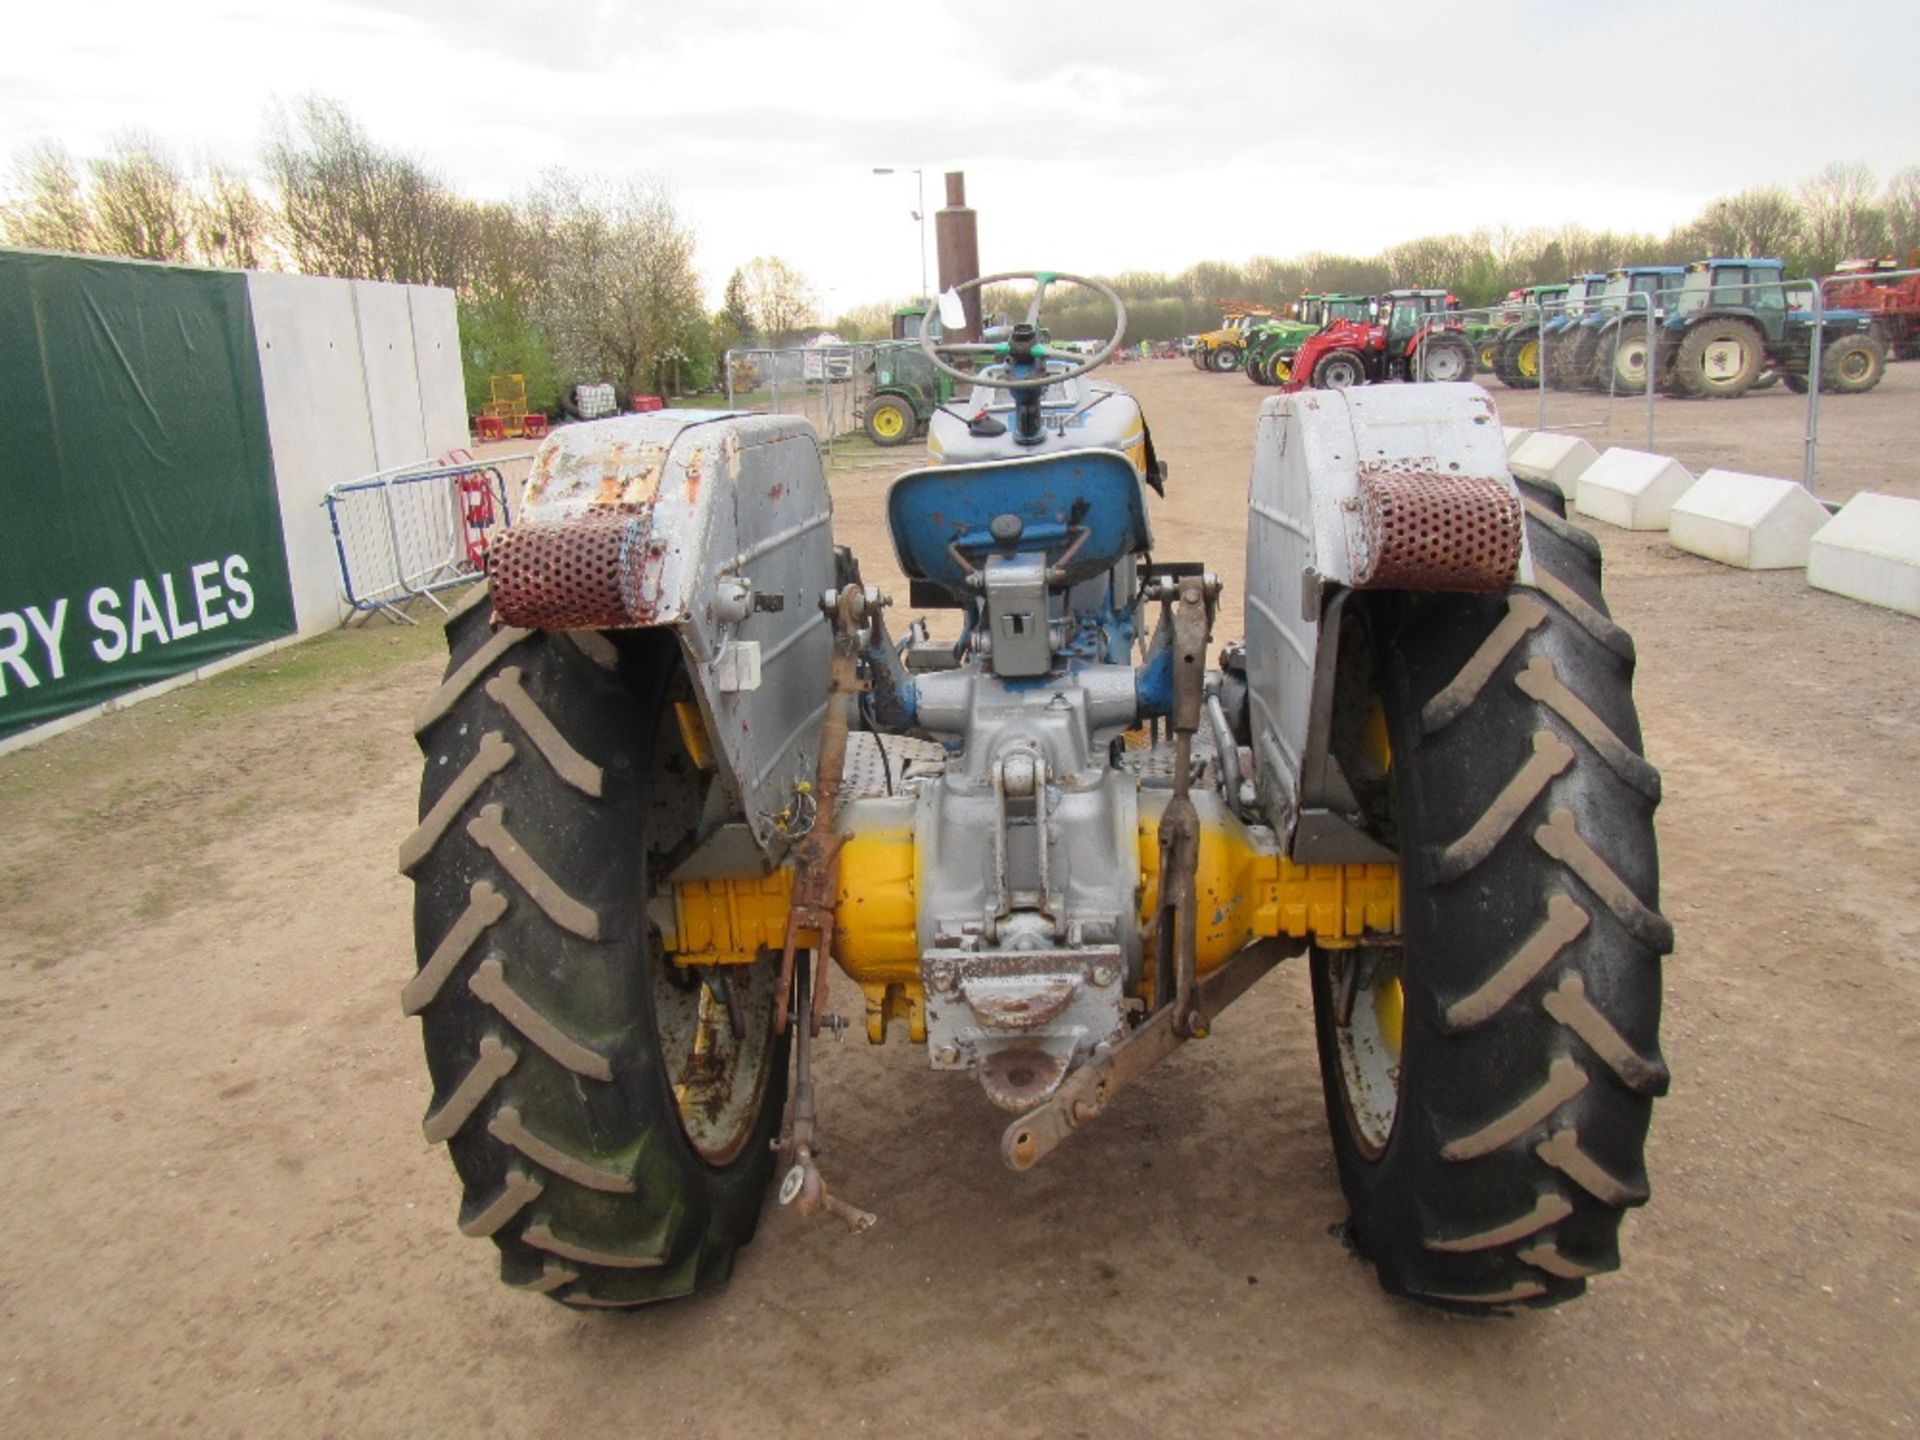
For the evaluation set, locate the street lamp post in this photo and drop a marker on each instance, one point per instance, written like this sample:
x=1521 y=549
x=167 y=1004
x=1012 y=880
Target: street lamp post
x=920 y=214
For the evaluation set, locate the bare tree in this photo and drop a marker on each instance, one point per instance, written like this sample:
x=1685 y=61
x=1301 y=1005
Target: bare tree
x=1842 y=219
x=621 y=297
x=1903 y=211
x=350 y=207
x=49 y=211
x=778 y=298
x=1764 y=221
x=232 y=226
x=141 y=204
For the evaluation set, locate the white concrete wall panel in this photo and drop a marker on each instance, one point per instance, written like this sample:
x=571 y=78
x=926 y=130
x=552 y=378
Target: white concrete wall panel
x=1870 y=552
x=393 y=376
x=436 y=353
x=1754 y=522
x=316 y=393
x=1632 y=489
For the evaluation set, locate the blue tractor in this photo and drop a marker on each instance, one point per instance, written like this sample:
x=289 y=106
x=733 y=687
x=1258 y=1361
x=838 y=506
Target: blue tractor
x=1731 y=324
x=679 y=769
x=1561 y=336
x=1610 y=348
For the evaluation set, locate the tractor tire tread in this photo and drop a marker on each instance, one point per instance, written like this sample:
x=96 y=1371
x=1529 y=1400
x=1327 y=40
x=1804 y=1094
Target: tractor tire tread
x=1530 y=886
x=548 y=1088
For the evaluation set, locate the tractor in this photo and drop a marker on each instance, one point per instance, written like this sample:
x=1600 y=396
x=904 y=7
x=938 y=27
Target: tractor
x=680 y=767
x=1515 y=341
x=1730 y=324
x=1608 y=345
x=1271 y=350
x=906 y=390
x=1561 y=338
x=1413 y=338
x=1892 y=298
x=1223 y=349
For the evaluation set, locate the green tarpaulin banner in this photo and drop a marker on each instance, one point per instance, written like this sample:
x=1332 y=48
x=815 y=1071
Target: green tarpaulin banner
x=139 y=524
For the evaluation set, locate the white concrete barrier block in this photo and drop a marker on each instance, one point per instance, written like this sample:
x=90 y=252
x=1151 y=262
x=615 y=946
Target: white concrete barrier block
x=1870 y=552
x=1549 y=459
x=1632 y=489
x=1751 y=521
x=1513 y=435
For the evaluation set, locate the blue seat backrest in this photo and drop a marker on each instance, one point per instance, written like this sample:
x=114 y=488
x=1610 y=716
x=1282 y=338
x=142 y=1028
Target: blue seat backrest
x=1053 y=497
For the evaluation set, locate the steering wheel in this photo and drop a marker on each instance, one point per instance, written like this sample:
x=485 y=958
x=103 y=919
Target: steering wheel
x=1002 y=350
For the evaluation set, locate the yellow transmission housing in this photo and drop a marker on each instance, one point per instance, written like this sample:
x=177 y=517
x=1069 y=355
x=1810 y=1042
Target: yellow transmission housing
x=1246 y=891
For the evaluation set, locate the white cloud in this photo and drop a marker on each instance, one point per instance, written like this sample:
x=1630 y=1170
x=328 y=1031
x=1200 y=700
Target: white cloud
x=1094 y=136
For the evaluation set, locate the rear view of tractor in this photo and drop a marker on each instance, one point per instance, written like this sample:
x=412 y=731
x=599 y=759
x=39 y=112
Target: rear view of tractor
x=1415 y=337
x=680 y=767
x=906 y=389
x=1730 y=323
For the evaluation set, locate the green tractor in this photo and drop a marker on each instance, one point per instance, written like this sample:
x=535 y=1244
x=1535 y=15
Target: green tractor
x=907 y=389
x=1516 y=358
x=1270 y=353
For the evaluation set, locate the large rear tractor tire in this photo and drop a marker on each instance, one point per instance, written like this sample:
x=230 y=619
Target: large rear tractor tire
x=1489 y=1087
x=1338 y=370
x=1852 y=365
x=1720 y=359
x=1582 y=351
x=891 y=421
x=1519 y=366
x=609 y=1113
x=1445 y=358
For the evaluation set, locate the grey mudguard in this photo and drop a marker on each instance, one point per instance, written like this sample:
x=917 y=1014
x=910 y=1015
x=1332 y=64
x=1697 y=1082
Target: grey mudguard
x=731 y=547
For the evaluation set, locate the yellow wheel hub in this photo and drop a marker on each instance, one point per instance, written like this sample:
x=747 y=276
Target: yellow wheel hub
x=1528 y=360
x=888 y=422
x=1389 y=1012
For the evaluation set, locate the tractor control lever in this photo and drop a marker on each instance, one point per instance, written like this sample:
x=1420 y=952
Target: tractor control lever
x=816 y=885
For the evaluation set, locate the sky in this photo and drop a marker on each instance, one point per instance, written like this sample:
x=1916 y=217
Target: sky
x=1094 y=137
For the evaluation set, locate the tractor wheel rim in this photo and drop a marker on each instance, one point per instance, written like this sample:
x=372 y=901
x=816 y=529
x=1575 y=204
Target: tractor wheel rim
x=1854 y=365
x=1528 y=360
x=1369 y=1046
x=1724 y=359
x=717 y=1078
x=1631 y=361
x=1444 y=364
x=887 y=422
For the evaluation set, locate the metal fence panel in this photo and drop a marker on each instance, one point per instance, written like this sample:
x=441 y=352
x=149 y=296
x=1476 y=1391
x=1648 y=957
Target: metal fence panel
x=405 y=535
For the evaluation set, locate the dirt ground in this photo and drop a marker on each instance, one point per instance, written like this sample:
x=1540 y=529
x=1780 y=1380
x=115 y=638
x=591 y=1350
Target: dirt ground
x=225 y=1220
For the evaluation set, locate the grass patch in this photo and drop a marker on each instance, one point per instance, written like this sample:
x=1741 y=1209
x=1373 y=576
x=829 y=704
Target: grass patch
x=119 y=748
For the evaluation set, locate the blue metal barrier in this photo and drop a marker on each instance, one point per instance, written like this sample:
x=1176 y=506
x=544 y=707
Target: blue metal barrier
x=405 y=535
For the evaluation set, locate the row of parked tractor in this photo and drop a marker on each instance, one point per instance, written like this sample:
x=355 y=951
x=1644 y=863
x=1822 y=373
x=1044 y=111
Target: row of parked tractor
x=1712 y=329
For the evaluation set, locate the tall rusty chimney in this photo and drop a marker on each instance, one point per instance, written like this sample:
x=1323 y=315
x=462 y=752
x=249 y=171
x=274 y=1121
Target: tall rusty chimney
x=958 y=242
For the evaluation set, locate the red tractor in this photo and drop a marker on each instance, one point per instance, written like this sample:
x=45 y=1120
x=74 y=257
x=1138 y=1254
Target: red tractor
x=1894 y=302
x=1416 y=338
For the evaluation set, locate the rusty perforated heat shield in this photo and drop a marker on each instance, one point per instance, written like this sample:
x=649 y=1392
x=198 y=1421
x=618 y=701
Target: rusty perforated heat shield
x=1423 y=530
x=596 y=571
